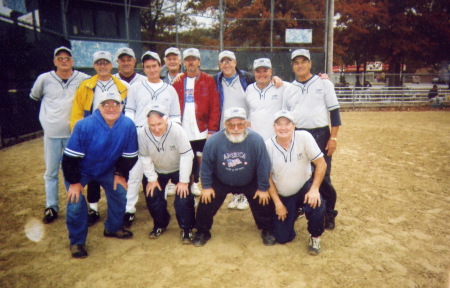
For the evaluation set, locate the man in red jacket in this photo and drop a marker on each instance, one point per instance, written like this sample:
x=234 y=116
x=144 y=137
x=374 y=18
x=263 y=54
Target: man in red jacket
x=199 y=104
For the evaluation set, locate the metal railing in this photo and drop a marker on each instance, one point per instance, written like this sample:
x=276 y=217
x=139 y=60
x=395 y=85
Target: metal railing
x=386 y=96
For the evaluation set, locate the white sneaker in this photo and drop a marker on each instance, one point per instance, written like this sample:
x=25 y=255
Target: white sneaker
x=243 y=203
x=170 y=189
x=233 y=203
x=195 y=189
x=314 y=245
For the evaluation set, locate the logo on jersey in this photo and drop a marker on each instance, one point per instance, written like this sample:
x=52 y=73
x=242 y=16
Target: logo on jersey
x=275 y=97
x=319 y=91
x=299 y=156
x=234 y=161
x=172 y=147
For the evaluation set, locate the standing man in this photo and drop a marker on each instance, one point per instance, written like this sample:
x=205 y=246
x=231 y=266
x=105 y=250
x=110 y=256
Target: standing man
x=291 y=185
x=103 y=148
x=314 y=104
x=57 y=90
x=86 y=102
x=199 y=104
x=235 y=160
x=166 y=154
x=263 y=98
x=150 y=91
x=172 y=65
x=126 y=62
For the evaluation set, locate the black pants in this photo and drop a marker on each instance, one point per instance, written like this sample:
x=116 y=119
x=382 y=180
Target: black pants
x=263 y=215
x=197 y=146
x=322 y=135
x=93 y=192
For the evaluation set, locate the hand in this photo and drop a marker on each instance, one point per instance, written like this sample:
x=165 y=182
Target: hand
x=277 y=81
x=313 y=198
x=73 y=194
x=264 y=197
x=120 y=180
x=324 y=76
x=177 y=78
x=206 y=195
x=182 y=189
x=331 y=147
x=281 y=211
x=151 y=187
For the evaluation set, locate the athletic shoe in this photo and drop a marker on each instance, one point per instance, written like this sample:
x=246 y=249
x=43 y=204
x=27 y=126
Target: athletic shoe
x=93 y=217
x=329 y=223
x=234 y=203
x=243 y=203
x=50 y=215
x=314 y=245
x=201 y=237
x=78 y=251
x=187 y=236
x=268 y=238
x=156 y=232
x=170 y=189
x=121 y=234
x=195 y=189
x=128 y=219
x=300 y=213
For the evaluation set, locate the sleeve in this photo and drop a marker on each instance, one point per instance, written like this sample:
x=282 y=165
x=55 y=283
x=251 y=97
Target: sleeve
x=263 y=165
x=130 y=107
x=144 y=156
x=335 y=118
x=37 y=89
x=330 y=95
x=77 y=107
x=174 y=113
x=186 y=156
x=71 y=169
x=214 y=107
x=208 y=163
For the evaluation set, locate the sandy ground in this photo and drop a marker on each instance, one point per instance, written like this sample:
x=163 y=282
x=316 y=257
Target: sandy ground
x=392 y=175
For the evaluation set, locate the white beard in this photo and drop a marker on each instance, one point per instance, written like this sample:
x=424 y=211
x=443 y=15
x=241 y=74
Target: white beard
x=236 y=138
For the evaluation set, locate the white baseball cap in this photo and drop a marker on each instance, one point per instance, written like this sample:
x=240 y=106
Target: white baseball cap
x=102 y=55
x=60 y=49
x=172 y=50
x=226 y=54
x=283 y=113
x=191 y=52
x=125 y=51
x=159 y=108
x=110 y=95
x=150 y=54
x=262 y=62
x=301 y=52
x=234 y=112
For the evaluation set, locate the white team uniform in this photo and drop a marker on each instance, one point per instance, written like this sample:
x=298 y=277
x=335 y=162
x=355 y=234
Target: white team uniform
x=103 y=86
x=140 y=95
x=137 y=78
x=166 y=154
x=310 y=102
x=262 y=105
x=234 y=96
x=291 y=168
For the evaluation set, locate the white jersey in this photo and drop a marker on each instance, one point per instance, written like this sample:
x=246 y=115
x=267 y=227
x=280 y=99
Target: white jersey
x=233 y=96
x=137 y=78
x=57 y=99
x=262 y=105
x=291 y=168
x=141 y=94
x=166 y=154
x=103 y=86
x=310 y=102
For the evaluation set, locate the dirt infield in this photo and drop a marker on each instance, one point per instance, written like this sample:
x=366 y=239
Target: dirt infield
x=392 y=174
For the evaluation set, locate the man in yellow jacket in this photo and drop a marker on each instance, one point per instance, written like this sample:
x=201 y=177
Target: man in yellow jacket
x=86 y=102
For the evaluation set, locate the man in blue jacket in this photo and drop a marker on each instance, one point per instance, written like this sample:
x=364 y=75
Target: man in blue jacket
x=235 y=160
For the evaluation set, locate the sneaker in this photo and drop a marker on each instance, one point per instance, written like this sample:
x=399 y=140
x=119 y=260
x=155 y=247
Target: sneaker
x=268 y=238
x=314 y=245
x=50 y=215
x=78 y=251
x=329 y=223
x=300 y=213
x=121 y=234
x=195 y=189
x=170 y=189
x=93 y=217
x=156 y=232
x=201 y=238
x=243 y=203
x=128 y=219
x=187 y=236
x=234 y=203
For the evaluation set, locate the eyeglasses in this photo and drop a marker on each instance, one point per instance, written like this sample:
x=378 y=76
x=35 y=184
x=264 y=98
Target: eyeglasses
x=102 y=62
x=61 y=59
x=114 y=105
x=238 y=125
x=226 y=61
